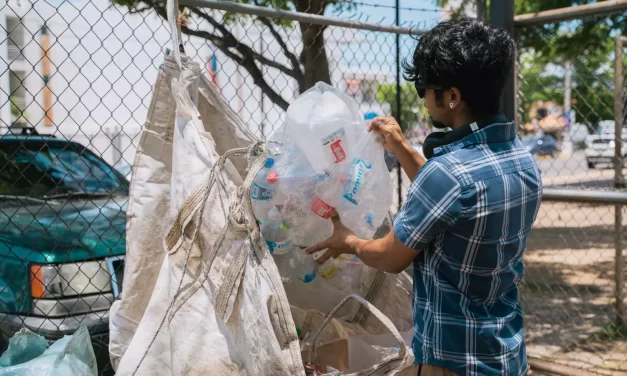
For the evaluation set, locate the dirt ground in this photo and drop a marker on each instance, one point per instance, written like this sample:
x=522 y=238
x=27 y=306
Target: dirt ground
x=568 y=290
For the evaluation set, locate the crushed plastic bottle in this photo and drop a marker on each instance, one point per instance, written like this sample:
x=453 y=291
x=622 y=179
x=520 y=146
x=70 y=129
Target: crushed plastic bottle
x=261 y=193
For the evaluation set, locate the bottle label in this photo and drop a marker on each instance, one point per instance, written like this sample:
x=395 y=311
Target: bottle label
x=260 y=193
x=321 y=208
x=353 y=186
x=278 y=248
x=334 y=146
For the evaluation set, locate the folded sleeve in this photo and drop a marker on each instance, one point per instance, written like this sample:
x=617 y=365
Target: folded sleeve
x=433 y=204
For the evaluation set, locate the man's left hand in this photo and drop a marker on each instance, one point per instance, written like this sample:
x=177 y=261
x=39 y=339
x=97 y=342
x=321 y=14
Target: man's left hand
x=342 y=241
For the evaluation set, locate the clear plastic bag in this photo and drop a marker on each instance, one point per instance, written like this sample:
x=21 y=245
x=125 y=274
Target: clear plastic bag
x=324 y=159
x=23 y=347
x=71 y=355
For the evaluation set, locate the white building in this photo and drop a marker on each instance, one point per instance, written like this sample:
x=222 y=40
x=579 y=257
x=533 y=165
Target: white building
x=105 y=61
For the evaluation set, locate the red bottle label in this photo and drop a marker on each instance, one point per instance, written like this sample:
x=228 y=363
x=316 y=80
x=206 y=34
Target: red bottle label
x=321 y=208
x=338 y=152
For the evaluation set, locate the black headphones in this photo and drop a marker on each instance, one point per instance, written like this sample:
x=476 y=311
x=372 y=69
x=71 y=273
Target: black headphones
x=437 y=139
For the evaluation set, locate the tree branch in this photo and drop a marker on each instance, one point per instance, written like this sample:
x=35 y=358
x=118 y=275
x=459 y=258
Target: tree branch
x=225 y=43
x=289 y=54
x=246 y=61
x=138 y=10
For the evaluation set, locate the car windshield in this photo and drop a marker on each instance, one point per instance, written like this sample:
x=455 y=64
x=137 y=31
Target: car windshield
x=41 y=170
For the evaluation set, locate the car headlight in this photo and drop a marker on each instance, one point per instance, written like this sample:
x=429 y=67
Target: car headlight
x=68 y=280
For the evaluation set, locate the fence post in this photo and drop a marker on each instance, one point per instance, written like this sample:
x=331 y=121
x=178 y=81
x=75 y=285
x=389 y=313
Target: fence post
x=502 y=16
x=619 y=181
x=399 y=107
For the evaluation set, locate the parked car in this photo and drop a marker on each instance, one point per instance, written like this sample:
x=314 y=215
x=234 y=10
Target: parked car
x=578 y=134
x=600 y=148
x=126 y=171
x=542 y=145
x=62 y=237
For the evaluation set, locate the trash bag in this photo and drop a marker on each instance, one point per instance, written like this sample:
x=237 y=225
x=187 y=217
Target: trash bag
x=23 y=346
x=303 y=181
x=69 y=356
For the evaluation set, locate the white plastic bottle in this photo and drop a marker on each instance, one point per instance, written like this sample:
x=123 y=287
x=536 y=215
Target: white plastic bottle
x=261 y=193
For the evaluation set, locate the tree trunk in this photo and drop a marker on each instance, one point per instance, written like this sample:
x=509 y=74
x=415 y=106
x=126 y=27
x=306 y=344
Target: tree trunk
x=314 y=56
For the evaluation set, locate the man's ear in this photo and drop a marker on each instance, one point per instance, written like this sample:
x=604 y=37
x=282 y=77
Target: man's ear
x=455 y=97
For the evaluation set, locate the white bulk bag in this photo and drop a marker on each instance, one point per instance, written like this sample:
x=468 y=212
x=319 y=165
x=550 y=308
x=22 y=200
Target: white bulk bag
x=201 y=294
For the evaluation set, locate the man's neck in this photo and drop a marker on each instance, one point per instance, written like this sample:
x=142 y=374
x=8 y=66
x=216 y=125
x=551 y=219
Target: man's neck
x=462 y=120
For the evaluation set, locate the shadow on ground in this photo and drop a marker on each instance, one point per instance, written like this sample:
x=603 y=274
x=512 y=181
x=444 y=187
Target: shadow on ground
x=568 y=297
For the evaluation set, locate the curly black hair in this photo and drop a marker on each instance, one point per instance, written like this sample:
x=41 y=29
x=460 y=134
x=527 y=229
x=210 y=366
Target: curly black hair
x=473 y=57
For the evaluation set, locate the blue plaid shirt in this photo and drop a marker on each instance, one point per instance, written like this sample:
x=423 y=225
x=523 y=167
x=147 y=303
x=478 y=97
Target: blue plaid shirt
x=469 y=211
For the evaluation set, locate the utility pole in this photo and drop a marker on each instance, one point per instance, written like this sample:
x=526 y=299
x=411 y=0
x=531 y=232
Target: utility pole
x=502 y=16
x=399 y=175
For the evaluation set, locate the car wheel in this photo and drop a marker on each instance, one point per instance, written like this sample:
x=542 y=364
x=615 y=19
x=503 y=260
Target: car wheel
x=591 y=165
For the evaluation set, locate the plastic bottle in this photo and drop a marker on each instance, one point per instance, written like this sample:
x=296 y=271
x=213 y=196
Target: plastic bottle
x=304 y=266
x=357 y=177
x=279 y=244
x=284 y=263
x=329 y=195
x=320 y=122
x=261 y=193
x=275 y=234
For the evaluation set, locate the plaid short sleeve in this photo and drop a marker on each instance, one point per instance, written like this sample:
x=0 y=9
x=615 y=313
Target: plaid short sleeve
x=432 y=205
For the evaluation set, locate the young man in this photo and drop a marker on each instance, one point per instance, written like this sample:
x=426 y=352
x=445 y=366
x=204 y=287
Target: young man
x=468 y=211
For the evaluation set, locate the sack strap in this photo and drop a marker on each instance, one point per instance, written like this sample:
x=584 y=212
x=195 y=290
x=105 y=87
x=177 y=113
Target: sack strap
x=175 y=30
x=388 y=361
x=199 y=195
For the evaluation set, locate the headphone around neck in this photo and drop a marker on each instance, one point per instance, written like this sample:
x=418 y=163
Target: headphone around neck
x=437 y=139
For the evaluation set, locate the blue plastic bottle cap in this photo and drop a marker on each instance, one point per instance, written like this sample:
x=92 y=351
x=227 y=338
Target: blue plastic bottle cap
x=269 y=163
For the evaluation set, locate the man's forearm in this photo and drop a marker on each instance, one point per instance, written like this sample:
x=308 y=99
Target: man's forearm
x=383 y=254
x=410 y=160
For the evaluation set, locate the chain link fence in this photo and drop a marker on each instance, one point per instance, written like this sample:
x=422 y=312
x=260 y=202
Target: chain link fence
x=570 y=99
x=75 y=87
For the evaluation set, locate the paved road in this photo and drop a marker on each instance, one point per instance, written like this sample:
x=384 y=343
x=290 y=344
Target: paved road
x=573 y=172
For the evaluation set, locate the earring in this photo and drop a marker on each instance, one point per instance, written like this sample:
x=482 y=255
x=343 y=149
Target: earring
x=451 y=105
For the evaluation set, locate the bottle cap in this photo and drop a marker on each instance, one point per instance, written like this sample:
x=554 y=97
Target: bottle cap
x=272 y=177
x=269 y=163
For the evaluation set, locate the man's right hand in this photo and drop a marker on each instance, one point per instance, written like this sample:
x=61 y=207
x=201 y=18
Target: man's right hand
x=393 y=139
x=395 y=143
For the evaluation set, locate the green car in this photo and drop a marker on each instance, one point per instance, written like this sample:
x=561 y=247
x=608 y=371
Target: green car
x=62 y=237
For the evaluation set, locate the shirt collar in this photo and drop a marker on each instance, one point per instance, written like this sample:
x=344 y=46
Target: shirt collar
x=493 y=129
